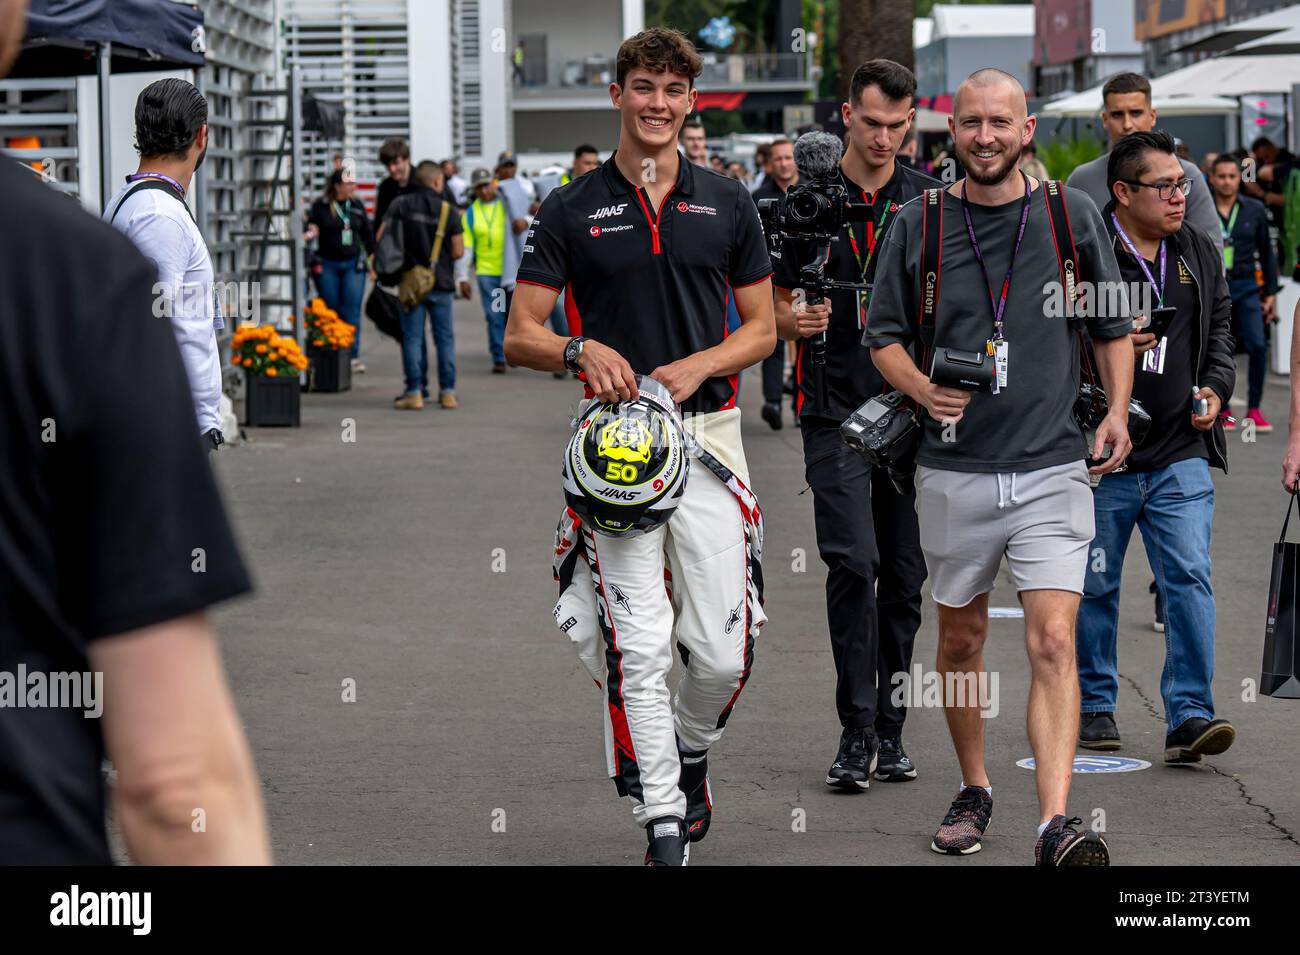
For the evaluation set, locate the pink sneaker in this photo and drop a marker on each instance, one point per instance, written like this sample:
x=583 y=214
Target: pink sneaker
x=1229 y=422
x=1262 y=424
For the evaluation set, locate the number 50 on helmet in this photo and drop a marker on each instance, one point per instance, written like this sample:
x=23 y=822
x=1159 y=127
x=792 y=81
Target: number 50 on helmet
x=625 y=466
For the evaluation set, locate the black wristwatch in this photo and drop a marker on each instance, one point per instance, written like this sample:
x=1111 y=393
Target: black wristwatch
x=572 y=352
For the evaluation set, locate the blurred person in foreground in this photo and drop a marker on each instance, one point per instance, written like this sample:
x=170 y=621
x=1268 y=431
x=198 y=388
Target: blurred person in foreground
x=106 y=565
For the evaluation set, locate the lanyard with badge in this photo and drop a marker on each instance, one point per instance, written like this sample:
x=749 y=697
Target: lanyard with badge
x=1153 y=360
x=490 y=221
x=875 y=229
x=345 y=216
x=997 y=346
x=1226 y=228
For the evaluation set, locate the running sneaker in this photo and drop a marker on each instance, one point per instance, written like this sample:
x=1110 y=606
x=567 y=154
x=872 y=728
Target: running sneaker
x=893 y=765
x=1098 y=731
x=1062 y=844
x=1262 y=424
x=694 y=781
x=668 y=844
x=1196 y=737
x=964 y=826
x=855 y=761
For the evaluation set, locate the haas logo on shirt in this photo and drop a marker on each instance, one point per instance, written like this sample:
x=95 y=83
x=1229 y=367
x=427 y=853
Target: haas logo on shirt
x=606 y=211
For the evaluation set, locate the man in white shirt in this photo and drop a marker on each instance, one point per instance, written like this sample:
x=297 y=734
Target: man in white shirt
x=171 y=135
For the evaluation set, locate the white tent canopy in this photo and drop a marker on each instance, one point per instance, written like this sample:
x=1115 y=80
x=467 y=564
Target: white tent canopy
x=1088 y=104
x=1231 y=75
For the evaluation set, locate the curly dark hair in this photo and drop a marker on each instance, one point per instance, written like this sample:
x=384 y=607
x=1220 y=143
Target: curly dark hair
x=168 y=116
x=659 y=50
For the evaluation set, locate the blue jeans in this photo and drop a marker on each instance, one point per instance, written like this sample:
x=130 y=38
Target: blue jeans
x=415 y=347
x=495 y=309
x=1249 y=312
x=1174 y=508
x=342 y=287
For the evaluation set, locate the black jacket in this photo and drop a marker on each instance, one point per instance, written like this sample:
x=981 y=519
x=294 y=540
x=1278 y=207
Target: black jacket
x=410 y=226
x=1215 y=367
x=1250 y=238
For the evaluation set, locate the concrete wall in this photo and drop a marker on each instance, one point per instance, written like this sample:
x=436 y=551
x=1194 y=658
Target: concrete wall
x=965 y=55
x=573 y=31
x=547 y=132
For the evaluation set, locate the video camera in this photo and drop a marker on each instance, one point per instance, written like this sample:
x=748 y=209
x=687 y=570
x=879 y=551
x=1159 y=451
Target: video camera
x=805 y=221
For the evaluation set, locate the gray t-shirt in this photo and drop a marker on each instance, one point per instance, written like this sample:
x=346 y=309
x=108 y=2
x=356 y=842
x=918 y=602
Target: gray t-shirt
x=1091 y=178
x=1029 y=425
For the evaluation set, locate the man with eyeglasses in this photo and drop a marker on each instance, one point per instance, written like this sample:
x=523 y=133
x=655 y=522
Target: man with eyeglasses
x=1184 y=377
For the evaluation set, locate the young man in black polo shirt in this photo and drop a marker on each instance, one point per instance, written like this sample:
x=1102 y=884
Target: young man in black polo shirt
x=1166 y=489
x=866 y=530
x=645 y=250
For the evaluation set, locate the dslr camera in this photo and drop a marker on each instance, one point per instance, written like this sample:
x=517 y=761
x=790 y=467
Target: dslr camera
x=814 y=209
x=1091 y=408
x=886 y=431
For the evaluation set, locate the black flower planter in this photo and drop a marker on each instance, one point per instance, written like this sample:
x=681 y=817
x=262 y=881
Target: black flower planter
x=272 y=402
x=331 y=369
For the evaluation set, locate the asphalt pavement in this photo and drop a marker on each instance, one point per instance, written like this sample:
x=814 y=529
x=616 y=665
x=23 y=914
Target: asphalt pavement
x=409 y=699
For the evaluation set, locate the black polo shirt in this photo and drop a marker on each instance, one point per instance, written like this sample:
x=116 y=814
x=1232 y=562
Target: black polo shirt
x=851 y=375
x=650 y=283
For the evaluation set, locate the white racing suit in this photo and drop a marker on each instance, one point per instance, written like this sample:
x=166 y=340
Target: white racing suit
x=622 y=601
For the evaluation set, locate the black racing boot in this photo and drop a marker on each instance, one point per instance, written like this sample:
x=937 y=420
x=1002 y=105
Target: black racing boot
x=694 y=781
x=667 y=840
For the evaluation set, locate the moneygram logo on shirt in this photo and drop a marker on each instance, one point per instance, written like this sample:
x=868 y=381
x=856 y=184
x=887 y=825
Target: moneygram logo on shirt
x=599 y=230
x=606 y=211
x=684 y=206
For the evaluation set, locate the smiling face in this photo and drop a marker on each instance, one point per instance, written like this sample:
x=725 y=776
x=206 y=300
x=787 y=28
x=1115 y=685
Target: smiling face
x=989 y=129
x=653 y=107
x=876 y=125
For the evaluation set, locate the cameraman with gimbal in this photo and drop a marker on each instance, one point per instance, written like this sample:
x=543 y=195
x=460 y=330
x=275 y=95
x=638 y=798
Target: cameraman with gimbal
x=866 y=529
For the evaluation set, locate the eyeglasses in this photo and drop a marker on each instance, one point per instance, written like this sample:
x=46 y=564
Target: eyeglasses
x=1164 y=190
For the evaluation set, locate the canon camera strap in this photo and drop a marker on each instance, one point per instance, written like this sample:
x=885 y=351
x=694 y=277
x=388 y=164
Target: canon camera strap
x=1067 y=260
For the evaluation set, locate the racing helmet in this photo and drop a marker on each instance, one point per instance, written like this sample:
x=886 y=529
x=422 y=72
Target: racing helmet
x=625 y=466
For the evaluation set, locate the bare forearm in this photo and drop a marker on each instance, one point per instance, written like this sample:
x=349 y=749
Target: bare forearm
x=786 y=327
x=746 y=346
x=1115 y=362
x=533 y=346
x=212 y=820
x=897 y=367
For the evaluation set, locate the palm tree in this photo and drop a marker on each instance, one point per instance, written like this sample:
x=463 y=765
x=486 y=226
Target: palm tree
x=870 y=29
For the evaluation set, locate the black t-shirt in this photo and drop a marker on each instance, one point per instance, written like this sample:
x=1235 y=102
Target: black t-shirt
x=1167 y=397
x=389 y=189
x=1030 y=425
x=331 y=224
x=414 y=219
x=105 y=498
x=851 y=375
x=652 y=284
